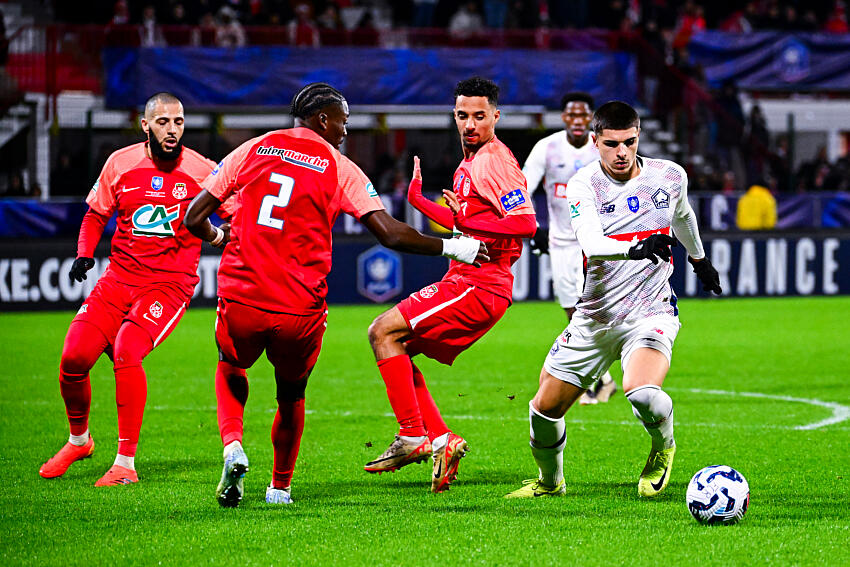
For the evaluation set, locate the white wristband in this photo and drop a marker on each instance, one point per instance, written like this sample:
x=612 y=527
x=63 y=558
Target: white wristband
x=463 y=249
x=219 y=236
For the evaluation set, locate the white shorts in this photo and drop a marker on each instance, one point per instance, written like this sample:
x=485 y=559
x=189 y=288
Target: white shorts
x=567 y=272
x=586 y=349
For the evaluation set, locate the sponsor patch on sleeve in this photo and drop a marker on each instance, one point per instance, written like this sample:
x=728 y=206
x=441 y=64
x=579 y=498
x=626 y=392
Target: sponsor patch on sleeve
x=94 y=187
x=575 y=209
x=370 y=189
x=513 y=199
x=217 y=168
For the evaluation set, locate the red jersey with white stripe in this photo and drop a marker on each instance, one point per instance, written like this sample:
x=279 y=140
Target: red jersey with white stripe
x=290 y=186
x=490 y=185
x=150 y=243
x=618 y=290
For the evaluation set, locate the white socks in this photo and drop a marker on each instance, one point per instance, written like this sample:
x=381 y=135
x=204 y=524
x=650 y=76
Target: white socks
x=439 y=442
x=230 y=447
x=606 y=378
x=548 y=439
x=654 y=408
x=79 y=440
x=125 y=461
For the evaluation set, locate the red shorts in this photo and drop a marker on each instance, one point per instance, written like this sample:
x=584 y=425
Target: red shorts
x=292 y=342
x=445 y=318
x=155 y=308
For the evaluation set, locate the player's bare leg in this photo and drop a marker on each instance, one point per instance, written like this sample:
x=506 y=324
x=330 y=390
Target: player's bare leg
x=548 y=436
x=642 y=379
x=387 y=334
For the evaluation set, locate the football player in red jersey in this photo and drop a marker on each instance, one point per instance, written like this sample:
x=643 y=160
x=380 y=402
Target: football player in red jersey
x=144 y=292
x=290 y=186
x=489 y=201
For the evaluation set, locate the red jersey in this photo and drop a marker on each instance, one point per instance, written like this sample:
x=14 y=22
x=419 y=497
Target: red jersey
x=150 y=243
x=290 y=187
x=490 y=185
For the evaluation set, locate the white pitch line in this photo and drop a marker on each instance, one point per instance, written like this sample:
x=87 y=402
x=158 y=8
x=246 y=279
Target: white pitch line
x=839 y=412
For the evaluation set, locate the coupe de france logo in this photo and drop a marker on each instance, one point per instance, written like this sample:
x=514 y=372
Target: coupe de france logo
x=513 y=199
x=155 y=220
x=793 y=63
x=634 y=204
x=156 y=182
x=379 y=274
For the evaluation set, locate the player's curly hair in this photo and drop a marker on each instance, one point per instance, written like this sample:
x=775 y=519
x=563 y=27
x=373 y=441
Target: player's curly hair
x=576 y=96
x=478 y=86
x=312 y=98
x=614 y=115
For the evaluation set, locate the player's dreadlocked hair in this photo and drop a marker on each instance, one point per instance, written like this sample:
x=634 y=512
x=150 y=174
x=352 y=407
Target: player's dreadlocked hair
x=478 y=86
x=160 y=98
x=576 y=96
x=312 y=98
x=614 y=115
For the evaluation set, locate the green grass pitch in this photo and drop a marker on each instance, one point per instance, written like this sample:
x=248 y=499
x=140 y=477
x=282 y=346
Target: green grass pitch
x=784 y=360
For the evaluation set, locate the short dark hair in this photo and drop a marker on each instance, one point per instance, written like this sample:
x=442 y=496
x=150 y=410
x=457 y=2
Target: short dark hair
x=478 y=86
x=160 y=98
x=312 y=98
x=614 y=115
x=576 y=96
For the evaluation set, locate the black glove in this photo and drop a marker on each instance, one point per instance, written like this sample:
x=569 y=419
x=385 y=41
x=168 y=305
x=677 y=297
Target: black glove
x=79 y=269
x=707 y=274
x=540 y=241
x=653 y=247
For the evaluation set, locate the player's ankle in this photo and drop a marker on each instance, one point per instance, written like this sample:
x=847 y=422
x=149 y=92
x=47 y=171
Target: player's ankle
x=232 y=446
x=125 y=461
x=79 y=440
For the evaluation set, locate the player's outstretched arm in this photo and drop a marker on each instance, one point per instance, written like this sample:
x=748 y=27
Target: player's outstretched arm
x=399 y=236
x=440 y=215
x=511 y=226
x=198 y=223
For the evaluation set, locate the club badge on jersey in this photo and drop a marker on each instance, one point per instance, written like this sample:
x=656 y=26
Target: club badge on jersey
x=179 y=191
x=661 y=199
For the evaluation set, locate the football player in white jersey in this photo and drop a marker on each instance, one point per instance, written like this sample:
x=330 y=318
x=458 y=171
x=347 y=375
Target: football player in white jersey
x=554 y=160
x=623 y=208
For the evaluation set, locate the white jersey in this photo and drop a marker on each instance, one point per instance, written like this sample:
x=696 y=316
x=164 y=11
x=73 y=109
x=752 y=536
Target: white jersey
x=557 y=160
x=609 y=217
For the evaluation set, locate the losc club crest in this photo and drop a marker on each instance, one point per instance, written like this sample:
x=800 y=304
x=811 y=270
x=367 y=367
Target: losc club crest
x=378 y=274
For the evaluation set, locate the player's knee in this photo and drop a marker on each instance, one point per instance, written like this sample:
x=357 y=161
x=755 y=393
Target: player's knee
x=378 y=331
x=291 y=391
x=75 y=363
x=650 y=403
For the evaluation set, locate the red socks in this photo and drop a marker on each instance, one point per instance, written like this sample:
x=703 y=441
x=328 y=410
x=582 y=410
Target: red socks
x=286 y=439
x=231 y=392
x=397 y=372
x=84 y=343
x=430 y=413
x=131 y=387
x=76 y=391
x=131 y=394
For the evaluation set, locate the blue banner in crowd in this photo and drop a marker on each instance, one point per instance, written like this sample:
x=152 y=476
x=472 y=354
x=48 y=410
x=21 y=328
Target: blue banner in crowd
x=270 y=76
x=774 y=60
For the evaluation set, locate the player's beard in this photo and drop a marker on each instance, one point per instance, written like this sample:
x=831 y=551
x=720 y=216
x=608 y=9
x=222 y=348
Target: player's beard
x=160 y=153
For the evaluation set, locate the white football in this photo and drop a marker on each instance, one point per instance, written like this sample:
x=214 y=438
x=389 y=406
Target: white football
x=718 y=495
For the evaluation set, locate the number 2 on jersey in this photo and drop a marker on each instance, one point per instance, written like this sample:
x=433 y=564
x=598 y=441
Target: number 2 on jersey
x=280 y=200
